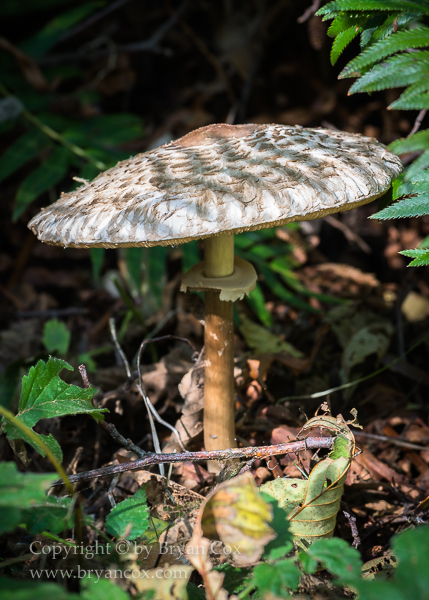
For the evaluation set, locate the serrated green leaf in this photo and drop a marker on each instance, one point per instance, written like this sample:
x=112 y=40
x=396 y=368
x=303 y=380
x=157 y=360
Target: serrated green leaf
x=277 y=579
x=417 y=141
x=420 y=255
x=422 y=85
x=402 y=40
x=22 y=150
x=342 y=40
x=411 y=548
x=53 y=169
x=19 y=491
x=56 y=336
x=418 y=6
x=410 y=207
x=282 y=544
x=345 y=21
x=422 y=162
x=132 y=512
x=397 y=71
x=416 y=102
x=44 y=396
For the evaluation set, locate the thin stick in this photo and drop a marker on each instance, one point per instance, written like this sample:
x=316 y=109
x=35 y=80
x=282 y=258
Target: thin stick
x=391 y=440
x=418 y=121
x=310 y=443
x=121 y=353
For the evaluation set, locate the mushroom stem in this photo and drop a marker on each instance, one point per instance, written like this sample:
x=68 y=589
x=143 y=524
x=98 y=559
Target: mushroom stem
x=219 y=428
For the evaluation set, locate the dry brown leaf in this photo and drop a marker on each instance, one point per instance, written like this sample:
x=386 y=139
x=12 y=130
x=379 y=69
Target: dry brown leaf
x=28 y=66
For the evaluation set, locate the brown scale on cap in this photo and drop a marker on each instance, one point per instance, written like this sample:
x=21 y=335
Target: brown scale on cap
x=220 y=178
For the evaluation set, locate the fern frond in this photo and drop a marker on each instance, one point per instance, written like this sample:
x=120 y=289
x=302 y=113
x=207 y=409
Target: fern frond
x=344 y=22
x=417 y=88
x=397 y=42
x=342 y=40
x=394 y=22
x=422 y=162
x=396 y=71
x=417 y=206
x=420 y=255
x=418 y=102
x=418 y=6
x=416 y=142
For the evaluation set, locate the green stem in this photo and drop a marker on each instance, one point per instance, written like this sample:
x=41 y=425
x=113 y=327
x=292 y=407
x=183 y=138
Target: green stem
x=56 y=464
x=247 y=590
x=57 y=136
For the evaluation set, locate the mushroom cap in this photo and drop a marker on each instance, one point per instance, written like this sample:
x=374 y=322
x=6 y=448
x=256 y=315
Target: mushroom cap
x=217 y=179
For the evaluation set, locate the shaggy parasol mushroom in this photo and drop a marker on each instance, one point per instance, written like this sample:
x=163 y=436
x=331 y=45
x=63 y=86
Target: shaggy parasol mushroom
x=210 y=184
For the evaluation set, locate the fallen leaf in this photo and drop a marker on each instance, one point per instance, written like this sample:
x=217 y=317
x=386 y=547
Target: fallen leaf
x=235 y=514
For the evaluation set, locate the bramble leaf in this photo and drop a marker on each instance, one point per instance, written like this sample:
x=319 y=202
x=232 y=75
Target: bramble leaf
x=129 y=516
x=45 y=396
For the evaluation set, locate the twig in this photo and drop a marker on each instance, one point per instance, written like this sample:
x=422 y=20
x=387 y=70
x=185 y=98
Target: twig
x=144 y=46
x=309 y=12
x=121 y=353
x=92 y=19
x=391 y=440
x=109 y=427
x=310 y=443
x=418 y=121
x=350 y=235
x=355 y=533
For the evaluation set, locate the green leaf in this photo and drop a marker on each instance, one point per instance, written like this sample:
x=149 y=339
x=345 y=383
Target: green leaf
x=277 y=579
x=97 y=260
x=420 y=255
x=342 y=40
x=49 y=35
x=22 y=150
x=402 y=40
x=53 y=514
x=410 y=207
x=397 y=71
x=132 y=512
x=282 y=544
x=53 y=169
x=263 y=341
x=56 y=336
x=45 y=396
x=419 y=6
x=20 y=589
x=190 y=255
x=257 y=302
x=416 y=102
x=18 y=492
x=100 y=589
x=133 y=259
x=337 y=557
x=417 y=141
x=411 y=548
x=157 y=271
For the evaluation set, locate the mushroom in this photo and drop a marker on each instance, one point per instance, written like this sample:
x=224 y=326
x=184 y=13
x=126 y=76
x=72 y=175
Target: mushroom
x=211 y=184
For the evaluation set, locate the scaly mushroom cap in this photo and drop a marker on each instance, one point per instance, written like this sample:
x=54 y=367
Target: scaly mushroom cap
x=220 y=178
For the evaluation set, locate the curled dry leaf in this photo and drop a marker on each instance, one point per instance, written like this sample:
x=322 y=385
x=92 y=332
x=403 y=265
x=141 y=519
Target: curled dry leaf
x=235 y=514
x=312 y=504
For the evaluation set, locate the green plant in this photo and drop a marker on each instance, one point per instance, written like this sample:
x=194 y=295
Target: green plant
x=394 y=38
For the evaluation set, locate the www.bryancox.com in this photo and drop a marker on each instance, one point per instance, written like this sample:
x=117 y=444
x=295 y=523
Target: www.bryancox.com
x=80 y=573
